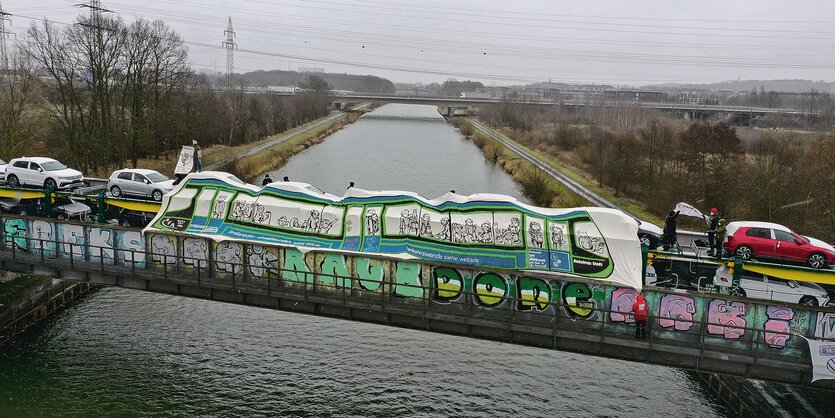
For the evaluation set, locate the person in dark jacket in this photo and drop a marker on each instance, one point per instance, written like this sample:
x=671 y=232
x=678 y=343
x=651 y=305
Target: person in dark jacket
x=267 y=180
x=712 y=226
x=640 y=310
x=669 y=236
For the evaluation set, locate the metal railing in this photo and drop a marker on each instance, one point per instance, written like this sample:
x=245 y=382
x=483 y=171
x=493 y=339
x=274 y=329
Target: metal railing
x=549 y=316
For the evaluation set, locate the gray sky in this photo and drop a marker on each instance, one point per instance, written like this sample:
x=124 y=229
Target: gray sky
x=496 y=42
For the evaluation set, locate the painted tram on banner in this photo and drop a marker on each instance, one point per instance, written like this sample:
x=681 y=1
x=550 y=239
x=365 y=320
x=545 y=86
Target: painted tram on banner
x=481 y=229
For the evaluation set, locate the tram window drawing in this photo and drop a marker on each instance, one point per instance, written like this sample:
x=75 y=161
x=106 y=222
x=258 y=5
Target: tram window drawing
x=478 y=230
x=373 y=215
x=536 y=233
x=558 y=236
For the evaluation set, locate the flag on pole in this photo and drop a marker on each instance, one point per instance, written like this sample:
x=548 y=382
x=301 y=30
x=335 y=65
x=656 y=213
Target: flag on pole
x=688 y=210
x=823 y=358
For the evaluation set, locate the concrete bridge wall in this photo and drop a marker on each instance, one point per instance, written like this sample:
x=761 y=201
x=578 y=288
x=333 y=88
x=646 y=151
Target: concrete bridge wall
x=712 y=333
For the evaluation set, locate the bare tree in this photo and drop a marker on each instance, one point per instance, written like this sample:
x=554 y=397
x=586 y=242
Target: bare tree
x=21 y=113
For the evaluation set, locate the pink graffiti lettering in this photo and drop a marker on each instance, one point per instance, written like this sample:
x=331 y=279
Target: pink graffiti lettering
x=622 y=300
x=778 y=324
x=723 y=317
x=676 y=311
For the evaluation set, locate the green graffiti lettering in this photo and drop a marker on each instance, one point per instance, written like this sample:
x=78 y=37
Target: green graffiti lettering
x=490 y=289
x=16 y=228
x=534 y=294
x=407 y=280
x=371 y=276
x=577 y=298
x=448 y=283
x=295 y=268
x=335 y=269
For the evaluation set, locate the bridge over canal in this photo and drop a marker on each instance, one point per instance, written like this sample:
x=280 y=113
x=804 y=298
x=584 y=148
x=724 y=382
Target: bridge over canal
x=703 y=332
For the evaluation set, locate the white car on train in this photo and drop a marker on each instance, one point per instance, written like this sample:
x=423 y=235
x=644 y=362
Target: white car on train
x=42 y=172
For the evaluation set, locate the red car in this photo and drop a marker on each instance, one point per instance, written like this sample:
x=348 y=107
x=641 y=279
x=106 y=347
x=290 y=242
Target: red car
x=765 y=240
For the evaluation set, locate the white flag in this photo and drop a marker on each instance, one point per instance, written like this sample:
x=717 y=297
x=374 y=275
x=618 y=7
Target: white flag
x=687 y=210
x=823 y=358
x=186 y=161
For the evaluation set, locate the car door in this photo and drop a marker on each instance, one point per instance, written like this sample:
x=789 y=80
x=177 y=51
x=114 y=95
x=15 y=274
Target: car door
x=783 y=290
x=788 y=248
x=124 y=180
x=140 y=185
x=21 y=170
x=755 y=286
x=761 y=242
x=36 y=174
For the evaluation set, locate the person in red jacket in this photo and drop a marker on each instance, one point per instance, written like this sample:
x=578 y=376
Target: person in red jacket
x=640 y=310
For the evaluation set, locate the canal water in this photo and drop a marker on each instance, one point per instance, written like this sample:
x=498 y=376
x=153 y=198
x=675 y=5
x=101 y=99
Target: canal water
x=123 y=352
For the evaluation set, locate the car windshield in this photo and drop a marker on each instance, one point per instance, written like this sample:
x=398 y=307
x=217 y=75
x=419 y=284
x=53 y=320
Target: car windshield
x=156 y=177
x=52 y=166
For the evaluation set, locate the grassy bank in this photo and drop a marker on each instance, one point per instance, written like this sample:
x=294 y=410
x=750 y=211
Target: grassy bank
x=632 y=206
x=534 y=183
x=254 y=166
x=165 y=163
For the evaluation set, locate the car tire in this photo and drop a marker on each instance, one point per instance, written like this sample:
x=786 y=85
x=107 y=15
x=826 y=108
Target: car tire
x=156 y=195
x=23 y=212
x=647 y=240
x=809 y=301
x=816 y=260
x=13 y=181
x=61 y=216
x=126 y=224
x=745 y=252
x=116 y=191
x=50 y=184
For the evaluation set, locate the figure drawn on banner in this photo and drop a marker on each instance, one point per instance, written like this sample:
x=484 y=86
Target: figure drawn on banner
x=486 y=233
x=220 y=206
x=590 y=243
x=535 y=230
x=425 y=226
x=558 y=239
x=445 y=232
x=510 y=235
x=372 y=222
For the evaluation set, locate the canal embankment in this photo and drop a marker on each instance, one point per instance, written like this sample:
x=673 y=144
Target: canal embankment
x=567 y=182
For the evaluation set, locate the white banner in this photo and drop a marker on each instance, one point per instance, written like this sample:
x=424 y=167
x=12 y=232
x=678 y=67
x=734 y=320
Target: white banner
x=185 y=164
x=823 y=358
x=687 y=210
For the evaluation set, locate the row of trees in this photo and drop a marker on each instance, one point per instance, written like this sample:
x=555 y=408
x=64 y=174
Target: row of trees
x=103 y=93
x=771 y=176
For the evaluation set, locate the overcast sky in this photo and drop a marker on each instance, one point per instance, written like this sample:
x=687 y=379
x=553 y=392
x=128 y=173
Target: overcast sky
x=509 y=42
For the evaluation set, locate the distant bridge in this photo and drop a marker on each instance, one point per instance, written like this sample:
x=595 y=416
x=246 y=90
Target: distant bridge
x=703 y=332
x=681 y=107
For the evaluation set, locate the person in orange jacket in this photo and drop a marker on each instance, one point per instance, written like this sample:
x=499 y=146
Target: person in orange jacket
x=640 y=310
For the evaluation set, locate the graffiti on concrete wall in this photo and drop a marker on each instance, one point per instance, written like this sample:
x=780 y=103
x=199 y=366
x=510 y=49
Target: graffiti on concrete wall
x=777 y=326
x=726 y=318
x=196 y=252
x=229 y=257
x=621 y=306
x=15 y=231
x=676 y=311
